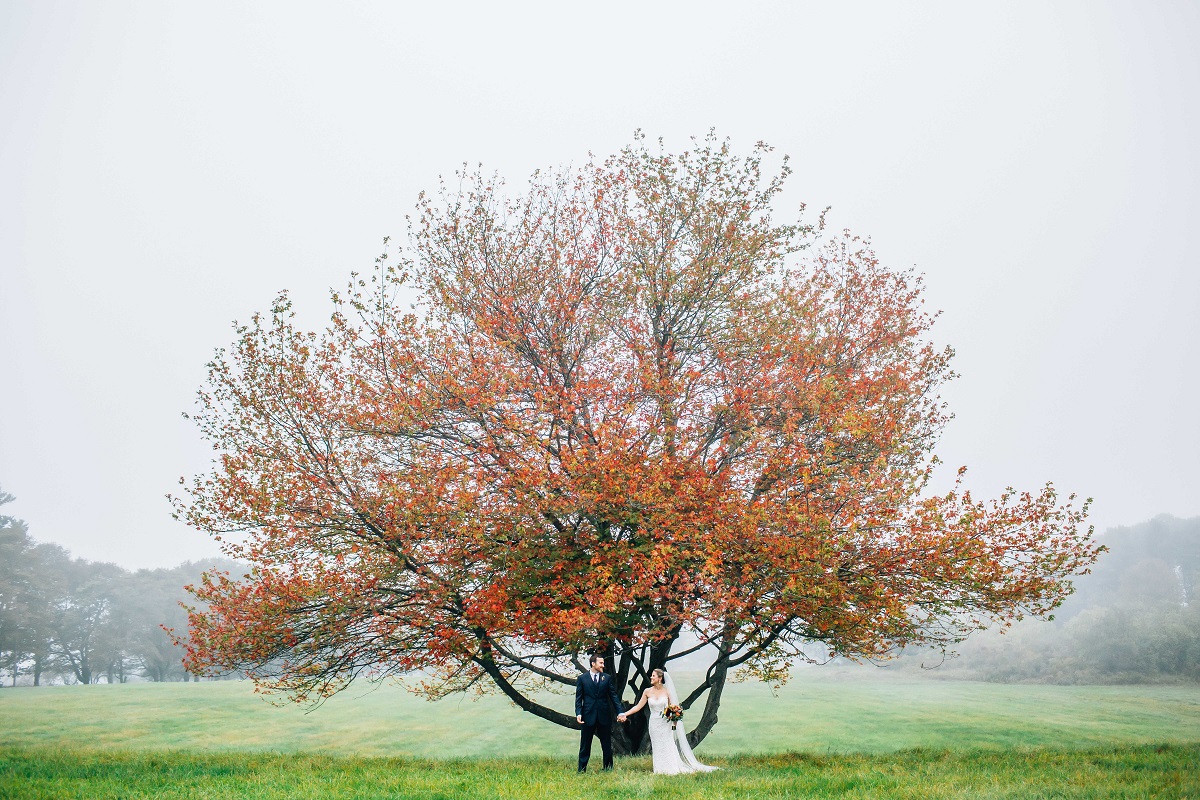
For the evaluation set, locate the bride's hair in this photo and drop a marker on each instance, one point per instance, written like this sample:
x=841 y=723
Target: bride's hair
x=662 y=674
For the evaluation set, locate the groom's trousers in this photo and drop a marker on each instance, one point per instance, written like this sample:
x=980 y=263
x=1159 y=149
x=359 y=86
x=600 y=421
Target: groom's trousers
x=585 y=744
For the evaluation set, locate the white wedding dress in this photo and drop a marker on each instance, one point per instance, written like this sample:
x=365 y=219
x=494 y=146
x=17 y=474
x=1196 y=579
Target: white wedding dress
x=672 y=755
x=662 y=742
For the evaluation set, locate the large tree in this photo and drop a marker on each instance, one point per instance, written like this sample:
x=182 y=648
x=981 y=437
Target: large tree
x=88 y=624
x=153 y=601
x=28 y=588
x=627 y=410
x=15 y=546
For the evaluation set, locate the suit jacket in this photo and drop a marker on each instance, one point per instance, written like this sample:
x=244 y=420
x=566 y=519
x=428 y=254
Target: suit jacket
x=596 y=700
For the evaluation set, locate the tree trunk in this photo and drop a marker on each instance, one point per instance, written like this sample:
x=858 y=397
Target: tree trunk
x=709 y=718
x=629 y=738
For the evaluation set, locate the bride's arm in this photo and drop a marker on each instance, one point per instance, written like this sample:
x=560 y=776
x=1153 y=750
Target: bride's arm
x=634 y=709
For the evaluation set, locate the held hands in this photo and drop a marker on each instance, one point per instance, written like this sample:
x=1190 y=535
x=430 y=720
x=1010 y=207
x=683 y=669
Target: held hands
x=621 y=717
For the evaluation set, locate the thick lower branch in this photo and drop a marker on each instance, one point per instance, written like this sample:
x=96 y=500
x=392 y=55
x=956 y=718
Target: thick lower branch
x=716 y=686
x=529 y=666
x=524 y=703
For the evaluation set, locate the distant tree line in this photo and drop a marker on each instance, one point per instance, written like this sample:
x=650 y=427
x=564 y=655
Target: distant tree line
x=1135 y=619
x=77 y=621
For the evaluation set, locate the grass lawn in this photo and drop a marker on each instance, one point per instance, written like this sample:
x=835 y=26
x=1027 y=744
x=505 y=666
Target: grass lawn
x=818 y=712
x=826 y=734
x=1167 y=771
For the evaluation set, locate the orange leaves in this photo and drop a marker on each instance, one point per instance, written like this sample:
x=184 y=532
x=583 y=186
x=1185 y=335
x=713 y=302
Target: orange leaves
x=627 y=403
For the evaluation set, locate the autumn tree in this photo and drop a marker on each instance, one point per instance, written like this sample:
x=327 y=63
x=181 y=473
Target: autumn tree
x=625 y=410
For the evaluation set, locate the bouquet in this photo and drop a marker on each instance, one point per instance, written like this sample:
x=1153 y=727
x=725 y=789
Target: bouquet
x=673 y=713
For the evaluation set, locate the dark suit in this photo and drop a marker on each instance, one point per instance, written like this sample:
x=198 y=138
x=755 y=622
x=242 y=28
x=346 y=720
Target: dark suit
x=597 y=702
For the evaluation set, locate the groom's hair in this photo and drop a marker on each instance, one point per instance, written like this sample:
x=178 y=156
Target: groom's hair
x=596 y=657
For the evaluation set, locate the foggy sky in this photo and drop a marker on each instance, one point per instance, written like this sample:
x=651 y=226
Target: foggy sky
x=167 y=168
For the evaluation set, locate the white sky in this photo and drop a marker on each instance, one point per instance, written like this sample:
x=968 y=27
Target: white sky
x=166 y=168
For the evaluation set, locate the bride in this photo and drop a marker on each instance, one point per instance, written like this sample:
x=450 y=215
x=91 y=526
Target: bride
x=672 y=754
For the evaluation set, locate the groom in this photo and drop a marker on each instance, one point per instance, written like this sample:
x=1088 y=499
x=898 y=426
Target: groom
x=595 y=702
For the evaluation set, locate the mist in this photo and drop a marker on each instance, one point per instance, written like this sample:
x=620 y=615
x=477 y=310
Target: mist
x=166 y=169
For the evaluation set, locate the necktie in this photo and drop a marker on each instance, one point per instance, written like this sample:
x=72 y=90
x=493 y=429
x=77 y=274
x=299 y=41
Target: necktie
x=595 y=678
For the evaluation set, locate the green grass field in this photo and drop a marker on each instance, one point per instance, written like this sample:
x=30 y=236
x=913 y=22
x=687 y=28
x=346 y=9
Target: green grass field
x=827 y=734
x=1167 y=771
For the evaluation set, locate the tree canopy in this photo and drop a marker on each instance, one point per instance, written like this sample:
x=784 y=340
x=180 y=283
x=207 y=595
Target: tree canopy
x=625 y=410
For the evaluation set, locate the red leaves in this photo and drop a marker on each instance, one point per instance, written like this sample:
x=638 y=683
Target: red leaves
x=627 y=408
